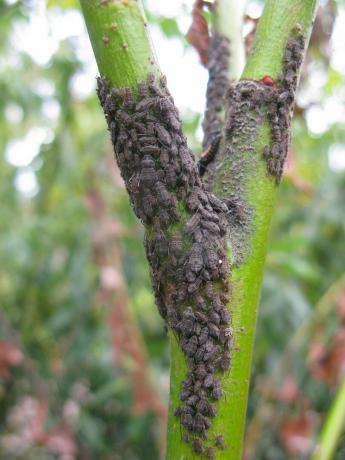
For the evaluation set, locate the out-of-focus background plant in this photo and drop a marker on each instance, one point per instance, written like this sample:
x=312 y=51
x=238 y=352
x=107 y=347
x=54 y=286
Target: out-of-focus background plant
x=83 y=352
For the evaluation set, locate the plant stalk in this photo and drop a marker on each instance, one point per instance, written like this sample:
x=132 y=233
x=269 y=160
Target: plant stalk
x=229 y=22
x=125 y=56
x=279 y=19
x=333 y=427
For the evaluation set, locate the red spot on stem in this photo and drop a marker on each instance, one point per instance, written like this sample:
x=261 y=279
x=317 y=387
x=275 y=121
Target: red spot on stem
x=267 y=80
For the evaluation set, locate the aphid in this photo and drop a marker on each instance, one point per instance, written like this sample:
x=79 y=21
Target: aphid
x=163 y=81
x=197 y=446
x=187 y=421
x=211 y=258
x=212 y=410
x=209 y=290
x=126 y=152
x=186 y=326
x=216 y=391
x=174 y=212
x=208 y=382
x=162 y=194
x=209 y=356
x=223 y=269
x=134 y=135
x=147 y=162
x=192 y=200
x=197 y=329
x=224 y=363
x=198 y=235
x=146 y=140
x=156 y=90
x=203 y=336
x=210 y=226
x=128 y=99
x=153 y=149
x=210 y=453
x=200 y=302
x=199 y=423
x=220 y=442
x=140 y=127
x=192 y=400
x=148 y=177
x=176 y=245
x=162 y=134
x=185 y=437
x=160 y=175
x=216 y=203
x=203 y=407
x=207 y=423
x=124 y=118
x=224 y=315
x=164 y=218
x=109 y=103
x=196 y=262
x=192 y=223
x=209 y=216
x=200 y=371
x=190 y=276
x=173 y=122
x=192 y=287
x=150 y=129
x=189 y=346
x=164 y=158
x=205 y=274
x=148 y=205
x=170 y=176
x=145 y=104
x=199 y=355
x=188 y=409
x=143 y=89
x=161 y=245
x=177 y=411
x=184 y=395
x=214 y=330
x=201 y=317
x=173 y=150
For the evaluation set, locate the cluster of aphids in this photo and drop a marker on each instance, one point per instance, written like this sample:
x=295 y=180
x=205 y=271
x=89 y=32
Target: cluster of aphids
x=186 y=232
x=272 y=98
x=218 y=82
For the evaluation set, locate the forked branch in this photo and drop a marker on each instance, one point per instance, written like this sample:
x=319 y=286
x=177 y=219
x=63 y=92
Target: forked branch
x=205 y=243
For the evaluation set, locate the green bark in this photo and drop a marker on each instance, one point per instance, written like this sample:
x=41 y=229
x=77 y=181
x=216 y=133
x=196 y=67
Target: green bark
x=120 y=40
x=125 y=56
x=229 y=21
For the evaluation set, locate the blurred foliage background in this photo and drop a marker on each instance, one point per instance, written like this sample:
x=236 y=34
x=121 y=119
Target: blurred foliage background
x=84 y=367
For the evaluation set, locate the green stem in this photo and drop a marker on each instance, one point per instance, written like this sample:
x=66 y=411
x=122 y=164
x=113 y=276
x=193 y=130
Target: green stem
x=120 y=40
x=229 y=21
x=333 y=427
x=279 y=19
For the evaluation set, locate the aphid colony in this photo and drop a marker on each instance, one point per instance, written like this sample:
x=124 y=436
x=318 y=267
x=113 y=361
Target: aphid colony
x=186 y=232
x=218 y=82
x=266 y=97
